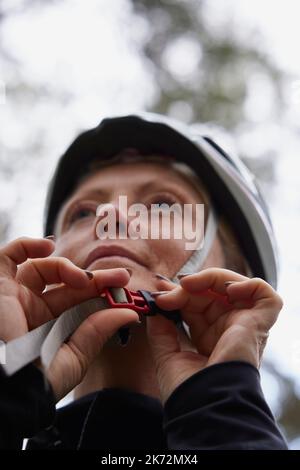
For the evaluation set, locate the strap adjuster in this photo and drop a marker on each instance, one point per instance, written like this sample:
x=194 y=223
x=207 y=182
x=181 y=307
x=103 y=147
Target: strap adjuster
x=142 y=302
x=135 y=301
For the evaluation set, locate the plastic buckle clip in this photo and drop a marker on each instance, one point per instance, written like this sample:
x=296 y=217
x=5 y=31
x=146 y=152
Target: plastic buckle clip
x=142 y=302
x=135 y=301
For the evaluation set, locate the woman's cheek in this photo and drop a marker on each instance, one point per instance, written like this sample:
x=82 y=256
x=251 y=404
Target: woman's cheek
x=168 y=255
x=70 y=246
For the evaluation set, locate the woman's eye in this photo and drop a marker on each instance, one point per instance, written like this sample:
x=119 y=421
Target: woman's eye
x=164 y=201
x=83 y=213
x=80 y=214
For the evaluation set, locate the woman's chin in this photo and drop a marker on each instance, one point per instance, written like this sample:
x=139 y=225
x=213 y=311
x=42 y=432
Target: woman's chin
x=141 y=277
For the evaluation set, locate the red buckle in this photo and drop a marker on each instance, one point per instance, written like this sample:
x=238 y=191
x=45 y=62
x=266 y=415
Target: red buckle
x=135 y=301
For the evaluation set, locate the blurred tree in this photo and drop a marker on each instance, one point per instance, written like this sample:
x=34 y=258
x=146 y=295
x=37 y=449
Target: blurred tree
x=202 y=70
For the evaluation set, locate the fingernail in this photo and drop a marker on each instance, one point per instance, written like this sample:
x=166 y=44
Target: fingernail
x=160 y=276
x=129 y=271
x=156 y=293
x=227 y=283
x=181 y=275
x=89 y=274
x=50 y=237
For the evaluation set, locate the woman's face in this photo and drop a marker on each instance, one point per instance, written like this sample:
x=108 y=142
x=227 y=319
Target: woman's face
x=147 y=183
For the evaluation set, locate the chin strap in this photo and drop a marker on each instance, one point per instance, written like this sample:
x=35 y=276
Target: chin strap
x=197 y=258
x=45 y=341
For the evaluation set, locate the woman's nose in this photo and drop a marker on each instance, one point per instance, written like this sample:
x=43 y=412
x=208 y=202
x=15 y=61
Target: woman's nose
x=110 y=222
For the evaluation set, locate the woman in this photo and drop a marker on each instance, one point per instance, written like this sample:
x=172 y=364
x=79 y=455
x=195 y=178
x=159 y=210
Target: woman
x=192 y=385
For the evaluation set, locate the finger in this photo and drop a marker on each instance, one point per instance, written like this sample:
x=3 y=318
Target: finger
x=210 y=279
x=61 y=298
x=256 y=288
x=163 y=283
x=174 y=299
x=19 y=250
x=94 y=332
x=72 y=360
x=197 y=312
x=36 y=274
x=258 y=292
x=191 y=306
x=199 y=309
x=210 y=304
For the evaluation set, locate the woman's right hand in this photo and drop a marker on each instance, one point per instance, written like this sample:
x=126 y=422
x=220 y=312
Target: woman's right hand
x=26 y=269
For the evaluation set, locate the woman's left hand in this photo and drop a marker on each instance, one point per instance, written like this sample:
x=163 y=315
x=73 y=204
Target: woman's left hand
x=228 y=322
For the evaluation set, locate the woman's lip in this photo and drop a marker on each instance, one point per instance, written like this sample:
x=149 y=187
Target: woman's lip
x=117 y=257
x=110 y=251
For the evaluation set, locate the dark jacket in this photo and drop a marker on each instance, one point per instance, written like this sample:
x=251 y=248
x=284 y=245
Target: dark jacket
x=221 y=407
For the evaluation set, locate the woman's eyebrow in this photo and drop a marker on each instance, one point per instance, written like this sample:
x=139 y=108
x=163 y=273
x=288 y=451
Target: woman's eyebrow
x=162 y=186
x=154 y=185
x=140 y=189
x=92 y=192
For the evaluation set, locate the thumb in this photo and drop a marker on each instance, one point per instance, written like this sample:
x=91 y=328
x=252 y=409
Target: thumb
x=95 y=331
x=74 y=357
